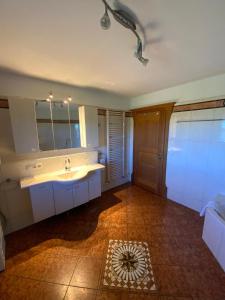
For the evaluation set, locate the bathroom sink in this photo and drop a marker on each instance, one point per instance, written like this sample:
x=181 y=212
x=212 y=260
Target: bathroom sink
x=61 y=176
x=68 y=176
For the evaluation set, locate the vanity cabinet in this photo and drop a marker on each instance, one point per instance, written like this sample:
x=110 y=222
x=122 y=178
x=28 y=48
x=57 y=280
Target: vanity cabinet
x=50 y=199
x=94 y=184
x=42 y=201
x=81 y=193
x=63 y=197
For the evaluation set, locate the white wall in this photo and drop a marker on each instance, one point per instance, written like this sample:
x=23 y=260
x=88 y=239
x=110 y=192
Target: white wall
x=200 y=90
x=26 y=87
x=196 y=157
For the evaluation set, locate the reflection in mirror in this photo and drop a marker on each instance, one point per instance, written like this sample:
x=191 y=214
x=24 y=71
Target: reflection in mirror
x=74 y=125
x=57 y=124
x=60 y=117
x=44 y=125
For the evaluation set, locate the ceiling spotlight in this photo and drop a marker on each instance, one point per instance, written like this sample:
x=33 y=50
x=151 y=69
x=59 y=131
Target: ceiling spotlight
x=65 y=101
x=69 y=98
x=105 y=20
x=125 y=19
x=48 y=100
x=50 y=95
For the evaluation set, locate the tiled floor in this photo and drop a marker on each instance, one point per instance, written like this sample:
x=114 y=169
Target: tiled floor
x=63 y=257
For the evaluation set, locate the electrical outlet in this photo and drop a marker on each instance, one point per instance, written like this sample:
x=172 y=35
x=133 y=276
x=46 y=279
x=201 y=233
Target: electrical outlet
x=34 y=166
x=38 y=166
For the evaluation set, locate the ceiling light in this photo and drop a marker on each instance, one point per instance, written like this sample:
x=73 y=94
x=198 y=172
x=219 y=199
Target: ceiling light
x=50 y=95
x=128 y=22
x=105 y=20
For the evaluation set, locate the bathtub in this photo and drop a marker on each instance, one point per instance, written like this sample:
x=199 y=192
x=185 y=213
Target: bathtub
x=214 y=235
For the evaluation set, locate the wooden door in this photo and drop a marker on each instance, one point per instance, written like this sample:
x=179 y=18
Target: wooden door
x=150 y=147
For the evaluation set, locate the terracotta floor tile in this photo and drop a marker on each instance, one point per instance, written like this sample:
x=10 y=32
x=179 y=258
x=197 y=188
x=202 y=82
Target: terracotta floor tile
x=135 y=218
x=171 y=280
x=74 y=293
x=161 y=255
x=12 y=288
x=98 y=249
x=41 y=267
x=117 y=232
x=143 y=297
x=87 y=272
x=71 y=248
x=136 y=232
x=112 y=295
x=174 y=298
x=205 y=283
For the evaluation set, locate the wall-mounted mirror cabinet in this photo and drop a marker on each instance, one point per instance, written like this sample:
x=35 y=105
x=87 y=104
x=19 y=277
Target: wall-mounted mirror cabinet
x=44 y=126
x=58 y=125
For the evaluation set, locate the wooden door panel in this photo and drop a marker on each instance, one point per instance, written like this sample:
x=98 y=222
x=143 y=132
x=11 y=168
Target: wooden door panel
x=148 y=123
x=147 y=170
x=150 y=146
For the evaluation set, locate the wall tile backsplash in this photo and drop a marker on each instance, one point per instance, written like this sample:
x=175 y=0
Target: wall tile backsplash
x=22 y=168
x=196 y=157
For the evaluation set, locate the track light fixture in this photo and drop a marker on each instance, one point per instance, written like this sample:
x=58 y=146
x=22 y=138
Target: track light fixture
x=105 y=20
x=127 y=21
x=50 y=97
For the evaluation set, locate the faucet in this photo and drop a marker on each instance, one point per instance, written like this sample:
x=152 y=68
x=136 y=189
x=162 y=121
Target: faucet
x=67 y=164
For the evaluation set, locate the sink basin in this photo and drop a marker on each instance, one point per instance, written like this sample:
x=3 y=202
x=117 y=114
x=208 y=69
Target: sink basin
x=68 y=176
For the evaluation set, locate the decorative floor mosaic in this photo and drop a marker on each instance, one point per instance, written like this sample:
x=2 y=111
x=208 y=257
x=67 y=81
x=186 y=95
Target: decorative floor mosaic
x=128 y=265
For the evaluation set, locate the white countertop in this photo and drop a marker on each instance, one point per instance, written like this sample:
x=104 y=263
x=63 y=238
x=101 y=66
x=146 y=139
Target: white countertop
x=62 y=176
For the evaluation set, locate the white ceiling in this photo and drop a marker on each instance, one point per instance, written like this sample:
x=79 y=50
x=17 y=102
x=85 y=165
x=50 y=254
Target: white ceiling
x=62 y=41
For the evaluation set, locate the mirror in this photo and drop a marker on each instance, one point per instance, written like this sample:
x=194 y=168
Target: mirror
x=58 y=125
x=44 y=125
x=61 y=125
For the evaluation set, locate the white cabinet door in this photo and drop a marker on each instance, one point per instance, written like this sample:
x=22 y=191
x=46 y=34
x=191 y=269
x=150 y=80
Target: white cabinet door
x=94 y=183
x=24 y=126
x=42 y=201
x=63 y=196
x=81 y=193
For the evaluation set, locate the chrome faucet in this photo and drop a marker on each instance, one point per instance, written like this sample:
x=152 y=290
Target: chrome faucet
x=67 y=164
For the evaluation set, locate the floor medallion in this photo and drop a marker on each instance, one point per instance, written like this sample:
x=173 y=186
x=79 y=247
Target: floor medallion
x=128 y=265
